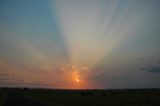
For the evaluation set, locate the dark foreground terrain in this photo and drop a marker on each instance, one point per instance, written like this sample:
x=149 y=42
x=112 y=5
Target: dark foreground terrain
x=48 y=97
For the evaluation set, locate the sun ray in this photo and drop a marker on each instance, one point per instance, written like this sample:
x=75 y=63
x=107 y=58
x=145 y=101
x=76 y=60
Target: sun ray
x=90 y=35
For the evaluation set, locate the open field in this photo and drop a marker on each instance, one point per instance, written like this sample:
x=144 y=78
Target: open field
x=48 y=97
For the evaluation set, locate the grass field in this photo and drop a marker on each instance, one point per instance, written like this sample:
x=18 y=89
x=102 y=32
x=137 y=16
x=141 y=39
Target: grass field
x=121 y=97
x=2 y=96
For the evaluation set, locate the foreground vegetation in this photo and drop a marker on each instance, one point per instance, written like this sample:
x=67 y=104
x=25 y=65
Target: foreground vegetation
x=123 y=97
x=2 y=96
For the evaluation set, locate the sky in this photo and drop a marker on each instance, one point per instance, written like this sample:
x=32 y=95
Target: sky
x=80 y=44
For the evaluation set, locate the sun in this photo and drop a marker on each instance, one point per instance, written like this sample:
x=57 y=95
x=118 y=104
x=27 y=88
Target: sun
x=77 y=80
x=73 y=72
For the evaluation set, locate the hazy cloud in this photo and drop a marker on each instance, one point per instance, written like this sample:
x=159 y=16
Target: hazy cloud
x=153 y=69
x=4 y=79
x=2 y=62
x=46 y=67
x=4 y=74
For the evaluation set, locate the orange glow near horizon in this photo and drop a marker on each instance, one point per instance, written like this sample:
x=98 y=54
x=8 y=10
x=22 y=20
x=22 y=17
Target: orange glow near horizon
x=76 y=77
x=77 y=80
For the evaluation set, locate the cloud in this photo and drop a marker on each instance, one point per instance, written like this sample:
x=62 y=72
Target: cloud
x=4 y=79
x=153 y=69
x=84 y=68
x=4 y=74
x=2 y=62
x=46 y=67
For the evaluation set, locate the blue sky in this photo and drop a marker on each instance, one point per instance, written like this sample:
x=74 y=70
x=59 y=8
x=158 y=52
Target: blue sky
x=102 y=43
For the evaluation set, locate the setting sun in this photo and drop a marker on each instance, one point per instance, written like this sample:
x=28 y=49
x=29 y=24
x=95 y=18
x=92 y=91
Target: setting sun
x=77 y=80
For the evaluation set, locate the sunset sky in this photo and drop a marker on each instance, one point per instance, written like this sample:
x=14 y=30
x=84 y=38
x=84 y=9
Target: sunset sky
x=79 y=44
